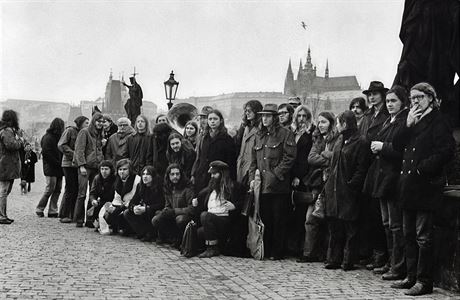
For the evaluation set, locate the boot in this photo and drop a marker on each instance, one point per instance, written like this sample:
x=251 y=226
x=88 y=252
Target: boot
x=406 y=283
x=210 y=252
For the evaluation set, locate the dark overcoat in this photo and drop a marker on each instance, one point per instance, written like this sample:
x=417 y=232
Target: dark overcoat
x=383 y=174
x=28 y=161
x=350 y=160
x=138 y=149
x=301 y=168
x=10 y=161
x=371 y=124
x=274 y=154
x=428 y=147
x=51 y=155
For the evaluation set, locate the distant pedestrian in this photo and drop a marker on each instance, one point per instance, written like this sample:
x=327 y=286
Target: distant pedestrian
x=28 y=161
x=66 y=145
x=11 y=142
x=52 y=169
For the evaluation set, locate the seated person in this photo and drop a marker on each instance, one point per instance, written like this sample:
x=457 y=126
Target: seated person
x=216 y=202
x=178 y=210
x=147 y=200
x=102 y=189
x=125 y=187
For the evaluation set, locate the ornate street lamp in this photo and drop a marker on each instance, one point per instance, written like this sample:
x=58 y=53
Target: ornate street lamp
x=171 y=89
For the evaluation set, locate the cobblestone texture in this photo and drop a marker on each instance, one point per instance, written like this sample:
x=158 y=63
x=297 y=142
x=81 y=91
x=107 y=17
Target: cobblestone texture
x=41 y=258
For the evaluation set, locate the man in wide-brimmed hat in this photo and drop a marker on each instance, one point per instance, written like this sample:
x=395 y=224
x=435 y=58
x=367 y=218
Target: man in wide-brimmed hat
x=274 y=155
x=374 y=233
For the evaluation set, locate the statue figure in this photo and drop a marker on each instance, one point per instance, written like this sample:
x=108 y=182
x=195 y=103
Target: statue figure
x=134 y=103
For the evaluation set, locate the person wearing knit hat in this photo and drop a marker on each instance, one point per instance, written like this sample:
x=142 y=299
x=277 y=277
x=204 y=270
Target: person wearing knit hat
x=66 y=145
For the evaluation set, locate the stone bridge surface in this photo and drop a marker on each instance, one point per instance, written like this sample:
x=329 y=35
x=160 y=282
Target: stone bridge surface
x=41 y=258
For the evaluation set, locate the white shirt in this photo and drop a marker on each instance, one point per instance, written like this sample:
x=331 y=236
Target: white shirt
x=219 y=206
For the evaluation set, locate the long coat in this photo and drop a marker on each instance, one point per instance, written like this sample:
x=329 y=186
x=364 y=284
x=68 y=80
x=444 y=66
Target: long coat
x=28 y=161
x=220 y=147
x=10 y=161
x=428 y=147
x=138 y=148
x=51 y=155
x=301 y=167
x=383 y=174
x=245 y=156
x=350 y=160
x=371 y=125
x=274 y=155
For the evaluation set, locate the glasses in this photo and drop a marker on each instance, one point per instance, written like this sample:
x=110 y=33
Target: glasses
x=123 y=125
x=417 y=97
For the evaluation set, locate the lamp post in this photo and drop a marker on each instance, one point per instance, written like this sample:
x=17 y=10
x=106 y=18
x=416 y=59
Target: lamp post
x=171 y=89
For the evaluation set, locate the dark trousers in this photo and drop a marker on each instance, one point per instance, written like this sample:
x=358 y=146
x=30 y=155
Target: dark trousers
x=116 y=219
x=140 y=224
x=393 y=223
x=296 y=228
x=418 y=233
x=66 y=210
x=343 y=240
x=373 y=238
x=274 y=212
x=83 y=183
x=213 y=227
x=314 y=237
x=169 y=225
x=5 y=190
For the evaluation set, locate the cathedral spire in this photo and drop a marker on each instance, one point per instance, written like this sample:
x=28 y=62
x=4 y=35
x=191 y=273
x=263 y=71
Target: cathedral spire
x=308 y=64
x=309 y=55
x=289 y=81
x=326 y=74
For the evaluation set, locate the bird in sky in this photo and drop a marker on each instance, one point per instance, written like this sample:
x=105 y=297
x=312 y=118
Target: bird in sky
x=304 y=25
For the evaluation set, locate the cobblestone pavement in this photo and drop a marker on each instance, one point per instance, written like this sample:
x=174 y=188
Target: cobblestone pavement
x=41 y=258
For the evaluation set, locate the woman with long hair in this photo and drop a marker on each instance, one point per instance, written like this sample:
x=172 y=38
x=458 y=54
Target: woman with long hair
x=216 y=144
x=51 y=168
x=191 y=132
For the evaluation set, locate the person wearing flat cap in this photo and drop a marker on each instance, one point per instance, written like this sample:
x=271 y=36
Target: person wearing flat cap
x=370 y=126
x=216 y=202
x=274 y=154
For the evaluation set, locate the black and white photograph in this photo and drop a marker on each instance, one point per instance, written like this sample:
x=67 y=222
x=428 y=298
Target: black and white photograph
x=230 y=149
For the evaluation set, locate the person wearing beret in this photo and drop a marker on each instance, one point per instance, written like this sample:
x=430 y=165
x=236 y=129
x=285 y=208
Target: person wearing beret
x=274 y=154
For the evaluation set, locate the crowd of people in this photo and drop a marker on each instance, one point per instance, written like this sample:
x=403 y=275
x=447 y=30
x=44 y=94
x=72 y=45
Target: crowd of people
x=359 y=188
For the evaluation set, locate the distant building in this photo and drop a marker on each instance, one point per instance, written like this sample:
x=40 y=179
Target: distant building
x=231 y=105
x=320 y=93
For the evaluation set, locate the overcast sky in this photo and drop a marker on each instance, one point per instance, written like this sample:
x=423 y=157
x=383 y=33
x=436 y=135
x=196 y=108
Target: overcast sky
x=63 y=51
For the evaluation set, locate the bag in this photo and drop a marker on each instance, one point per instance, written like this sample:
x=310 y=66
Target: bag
x=255 y=239
x=319 y=206
x=247 y=204
x=189 y=245
x=103 y=225
x=299 y=197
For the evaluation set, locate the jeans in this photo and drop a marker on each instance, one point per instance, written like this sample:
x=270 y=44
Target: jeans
x=5 y=190
x=69 y=198
x=343 y=241
x=83 y=182
x=418 y=233
x=53 y=190
x=393 y=223
x=273 y=212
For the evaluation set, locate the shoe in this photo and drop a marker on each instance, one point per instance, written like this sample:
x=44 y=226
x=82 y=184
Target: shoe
x=65 y=220
x=210 y=252
x=79 y=225
x=419 y=289
x=11 y=220
x=40 y=214
x=5 y=221
x=406 y=283
x=392 y=276
x=275 y=258
x=348 y=267
x=381 y=270
x=305 y=259
x=332 y=266
x=52 y=215
x=89 y=224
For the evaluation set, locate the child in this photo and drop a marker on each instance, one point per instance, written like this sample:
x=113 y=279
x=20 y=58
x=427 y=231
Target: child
x=28 y=161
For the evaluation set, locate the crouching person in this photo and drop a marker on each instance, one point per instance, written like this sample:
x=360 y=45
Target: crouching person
x=178 y=210
x=216 y=202
x=125 y=187
x=147 y=201
x=102 y=189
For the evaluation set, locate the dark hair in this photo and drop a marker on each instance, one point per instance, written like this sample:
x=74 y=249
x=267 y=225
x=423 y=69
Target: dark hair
x=167 y=184
x=80 y=120
x=174 y=135
x=156 y=180
x=56 y=127
x=349 y=118
x=256 y=107
x=222 y=127
x=159 y=116
x=361 y=103
x=401 y=93
x=109 y=164
x=289 y=108
x=10 y=119
x=226 y=184
x=125 y=161
x=194 y=124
